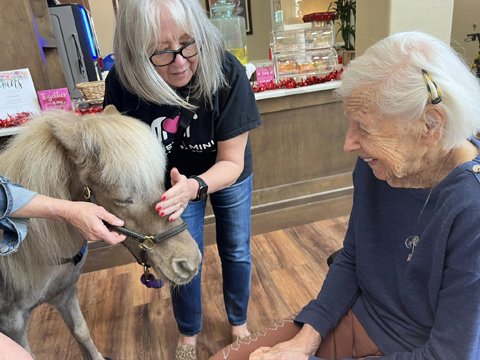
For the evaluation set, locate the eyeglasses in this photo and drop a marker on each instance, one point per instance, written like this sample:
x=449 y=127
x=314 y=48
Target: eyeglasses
x=164 y=58
x=427 y=77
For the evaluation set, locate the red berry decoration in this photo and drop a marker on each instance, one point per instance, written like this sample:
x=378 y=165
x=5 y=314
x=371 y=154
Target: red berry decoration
x=92 y=110
x=15 y=120
x=290 y=83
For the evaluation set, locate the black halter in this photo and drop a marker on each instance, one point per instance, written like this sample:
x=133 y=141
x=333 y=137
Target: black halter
x=146 y=243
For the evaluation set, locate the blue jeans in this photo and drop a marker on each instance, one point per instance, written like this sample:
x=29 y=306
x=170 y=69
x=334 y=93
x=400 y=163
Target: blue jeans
x=232 y=217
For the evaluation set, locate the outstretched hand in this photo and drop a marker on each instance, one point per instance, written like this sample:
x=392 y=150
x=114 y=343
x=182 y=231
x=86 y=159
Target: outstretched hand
x=87 y=218
x=304 y=344
x=175 y=200
x=282 y=351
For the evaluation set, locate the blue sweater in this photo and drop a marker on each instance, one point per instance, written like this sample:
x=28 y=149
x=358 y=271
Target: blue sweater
x=425 y=308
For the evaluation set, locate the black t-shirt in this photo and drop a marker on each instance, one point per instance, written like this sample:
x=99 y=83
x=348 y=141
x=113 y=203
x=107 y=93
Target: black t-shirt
x=234 y=112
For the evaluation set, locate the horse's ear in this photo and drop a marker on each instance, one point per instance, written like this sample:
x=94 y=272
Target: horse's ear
x=67 y=132
x=111 y=110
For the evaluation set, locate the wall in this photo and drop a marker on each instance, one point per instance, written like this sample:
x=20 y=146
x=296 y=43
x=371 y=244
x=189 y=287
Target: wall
x=372 y=24
x=104 y=19
x=289 y=8
x=376 y=19
x=258 y=42
x=465 y=13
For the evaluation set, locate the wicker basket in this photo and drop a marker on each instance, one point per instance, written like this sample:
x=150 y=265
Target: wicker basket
x=92 y=90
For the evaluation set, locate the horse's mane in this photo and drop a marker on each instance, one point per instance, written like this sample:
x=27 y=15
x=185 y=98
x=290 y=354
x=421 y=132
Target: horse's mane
x=55 y=155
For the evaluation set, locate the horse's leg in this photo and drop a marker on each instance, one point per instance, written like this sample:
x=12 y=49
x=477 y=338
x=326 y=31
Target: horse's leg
x=69 y=309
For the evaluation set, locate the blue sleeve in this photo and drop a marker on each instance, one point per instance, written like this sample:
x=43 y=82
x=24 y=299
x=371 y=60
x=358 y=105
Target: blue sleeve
x=457 y=313
x=455 y=334
x=339 y=291
x=12 y=198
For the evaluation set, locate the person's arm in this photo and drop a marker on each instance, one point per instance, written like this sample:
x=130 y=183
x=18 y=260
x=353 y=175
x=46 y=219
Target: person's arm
x=237 y=115
x=11 y=350
x=12 y=198
x=340 y=289
x=86 y=217
x=301 y=347
x=225 y=171
x=455 y=334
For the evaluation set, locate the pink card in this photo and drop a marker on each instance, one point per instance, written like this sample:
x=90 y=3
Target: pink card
x=265 y=73
x=55 y=99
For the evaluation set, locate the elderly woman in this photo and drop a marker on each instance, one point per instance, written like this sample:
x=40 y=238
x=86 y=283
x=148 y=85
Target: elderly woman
x=407 y=283
x=173 y=73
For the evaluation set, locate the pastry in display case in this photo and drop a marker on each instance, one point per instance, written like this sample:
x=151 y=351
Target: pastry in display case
x=304 y=52
x=286 y=65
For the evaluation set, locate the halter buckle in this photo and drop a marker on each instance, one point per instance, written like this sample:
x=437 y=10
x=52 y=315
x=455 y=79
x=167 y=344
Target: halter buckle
x=146 y=272
x=148 y=244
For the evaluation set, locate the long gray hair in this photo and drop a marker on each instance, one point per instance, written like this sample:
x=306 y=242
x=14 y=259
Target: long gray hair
x=137 y=34
x=392 y=70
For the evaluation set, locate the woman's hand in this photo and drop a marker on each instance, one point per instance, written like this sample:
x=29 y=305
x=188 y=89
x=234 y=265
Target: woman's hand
x=87 y=218
x=304 y=344
x=288 y=350
x=176 y=199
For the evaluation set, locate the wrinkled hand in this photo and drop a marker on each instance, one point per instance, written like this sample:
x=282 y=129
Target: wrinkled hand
x=288 y=350
x=87 y=218
x=176 y=199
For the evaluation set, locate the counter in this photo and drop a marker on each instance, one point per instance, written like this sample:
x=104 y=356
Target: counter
x=10 y=131
x=300 y=172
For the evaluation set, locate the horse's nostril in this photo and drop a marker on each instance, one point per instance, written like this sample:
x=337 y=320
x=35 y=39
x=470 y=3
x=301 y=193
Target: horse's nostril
x=183 y=268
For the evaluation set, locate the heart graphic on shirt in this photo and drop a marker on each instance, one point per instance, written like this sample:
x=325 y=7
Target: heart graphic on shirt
x=171 y=125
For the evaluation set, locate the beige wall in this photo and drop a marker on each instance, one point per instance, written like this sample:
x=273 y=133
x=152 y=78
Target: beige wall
x=376 y=19
x=465 y=13
x=289 y=9
x=259 y=42
x=104 y=19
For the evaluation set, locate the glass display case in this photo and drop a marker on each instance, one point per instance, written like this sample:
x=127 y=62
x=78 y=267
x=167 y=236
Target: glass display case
x=287 y=12
x=304 y=52
x=232 y=28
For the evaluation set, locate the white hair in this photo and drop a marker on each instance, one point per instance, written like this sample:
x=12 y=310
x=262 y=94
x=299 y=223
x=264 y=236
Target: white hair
x=137 y=34
x=392 y=70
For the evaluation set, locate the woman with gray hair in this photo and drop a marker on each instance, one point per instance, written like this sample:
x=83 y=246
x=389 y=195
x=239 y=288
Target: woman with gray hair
x=407 y=282
x=172 y=72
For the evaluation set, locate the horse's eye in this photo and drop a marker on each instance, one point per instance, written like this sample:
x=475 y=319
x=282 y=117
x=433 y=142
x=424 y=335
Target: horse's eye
x=126 y=201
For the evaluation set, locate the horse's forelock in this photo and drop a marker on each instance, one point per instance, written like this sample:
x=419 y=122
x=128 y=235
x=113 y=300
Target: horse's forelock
x=120 y=151
x=124 y=152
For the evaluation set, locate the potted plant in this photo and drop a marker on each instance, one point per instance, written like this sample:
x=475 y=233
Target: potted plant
x=346 y=11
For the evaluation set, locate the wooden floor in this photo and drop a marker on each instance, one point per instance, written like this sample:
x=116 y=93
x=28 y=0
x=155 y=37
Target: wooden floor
x=129 y=322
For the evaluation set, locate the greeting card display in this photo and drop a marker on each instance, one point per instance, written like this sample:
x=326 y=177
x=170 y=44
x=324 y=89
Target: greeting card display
x=55 y=99
x=17 y=93
x=265 y=74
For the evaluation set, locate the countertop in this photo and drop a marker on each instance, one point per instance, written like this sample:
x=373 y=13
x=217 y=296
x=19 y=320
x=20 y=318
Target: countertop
x=269 y=94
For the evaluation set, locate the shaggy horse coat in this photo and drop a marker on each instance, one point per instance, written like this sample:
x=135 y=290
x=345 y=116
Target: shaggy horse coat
x=57 y=154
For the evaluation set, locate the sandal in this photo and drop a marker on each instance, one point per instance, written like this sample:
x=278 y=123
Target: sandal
x=236 y=338
x=186 y=352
